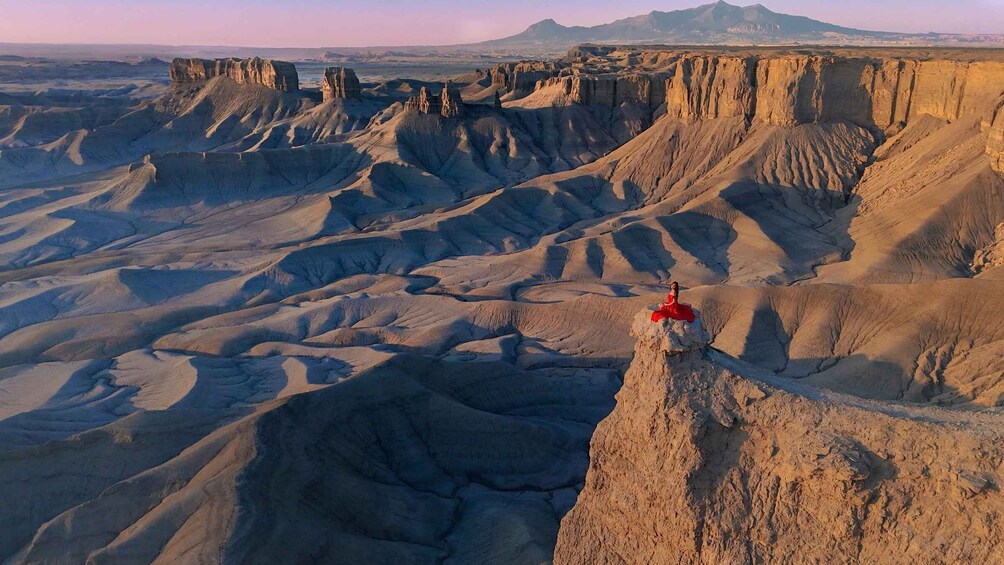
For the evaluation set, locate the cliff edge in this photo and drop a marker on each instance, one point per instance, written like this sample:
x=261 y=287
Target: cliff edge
x=277 y=75
x=706 y=460
x=878 y=90
x=340 y=83
x=447 y=103
x=994 y=124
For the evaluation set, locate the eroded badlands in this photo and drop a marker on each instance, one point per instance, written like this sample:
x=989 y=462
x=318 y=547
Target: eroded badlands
x=243 y=320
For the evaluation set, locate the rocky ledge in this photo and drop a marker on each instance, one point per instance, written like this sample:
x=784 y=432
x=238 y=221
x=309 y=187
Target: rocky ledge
x=278 y=75
x=708 y=460
x=670 y=336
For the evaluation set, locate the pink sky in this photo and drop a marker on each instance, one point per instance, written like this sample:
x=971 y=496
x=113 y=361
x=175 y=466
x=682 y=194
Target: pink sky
x=317 y=23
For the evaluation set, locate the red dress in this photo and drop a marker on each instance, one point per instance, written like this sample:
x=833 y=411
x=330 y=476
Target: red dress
x=675 y=310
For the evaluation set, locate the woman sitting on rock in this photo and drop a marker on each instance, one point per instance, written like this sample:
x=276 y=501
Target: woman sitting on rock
x=672 y=308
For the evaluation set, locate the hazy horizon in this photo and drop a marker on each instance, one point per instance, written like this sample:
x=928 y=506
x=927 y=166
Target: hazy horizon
x=320 y=23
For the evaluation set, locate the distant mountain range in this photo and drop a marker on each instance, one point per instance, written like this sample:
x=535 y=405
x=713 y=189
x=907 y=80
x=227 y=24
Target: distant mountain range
x=721 y=23
x=718 y=23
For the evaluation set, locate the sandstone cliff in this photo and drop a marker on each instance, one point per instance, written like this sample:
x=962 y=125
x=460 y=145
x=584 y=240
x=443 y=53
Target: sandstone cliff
x=801 y=89
x=278 y=75
x=612 y=90
x=778 y=87
x=705 y=87
x=447 y=104
x=994 y=122
x=704 y=460
x=339 y=83
x=524 y=75
x=424 y=102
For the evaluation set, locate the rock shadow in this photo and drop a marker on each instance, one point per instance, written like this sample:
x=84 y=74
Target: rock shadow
x=793 y=217
x=704 y=237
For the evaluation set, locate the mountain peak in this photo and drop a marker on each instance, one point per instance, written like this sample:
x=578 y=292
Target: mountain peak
x=546 y=24
x=722 y=5
x=758 y=9
x=715 y=22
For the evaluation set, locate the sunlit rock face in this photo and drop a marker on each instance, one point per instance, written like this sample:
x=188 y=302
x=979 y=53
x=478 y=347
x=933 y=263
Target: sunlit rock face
x=668 y=335
x=447 y=104
x=524 y=75
x=994 y=124
x=708 y=460
x=340 y=83
x=783 y=89
x=277 y=75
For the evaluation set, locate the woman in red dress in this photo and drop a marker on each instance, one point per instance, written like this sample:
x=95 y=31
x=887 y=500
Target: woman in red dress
x=672 y=308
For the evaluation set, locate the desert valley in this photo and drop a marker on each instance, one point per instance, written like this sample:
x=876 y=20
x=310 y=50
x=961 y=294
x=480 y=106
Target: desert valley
x=252 y=317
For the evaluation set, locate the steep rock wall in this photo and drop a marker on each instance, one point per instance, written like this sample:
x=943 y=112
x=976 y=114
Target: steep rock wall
x=522 y=76
x=994 y=123
x=447 y=104
x=701 y=464
x=880 y=93
x=340 y=83
x=613 y=91
x=706 y=87
x=786 y=90
x=278 y=75
x=793 y=90
x=610 y=90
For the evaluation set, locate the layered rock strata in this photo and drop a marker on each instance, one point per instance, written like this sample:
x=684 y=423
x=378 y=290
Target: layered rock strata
x=340 y=83
x=780 y=89
x=447 y=104
x=706 y=461
x=612 y=90
x=994 y=124
x=524 y=75
x=277 y=75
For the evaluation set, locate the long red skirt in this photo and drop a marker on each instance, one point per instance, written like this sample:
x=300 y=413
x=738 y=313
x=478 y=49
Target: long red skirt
x=675 y=310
